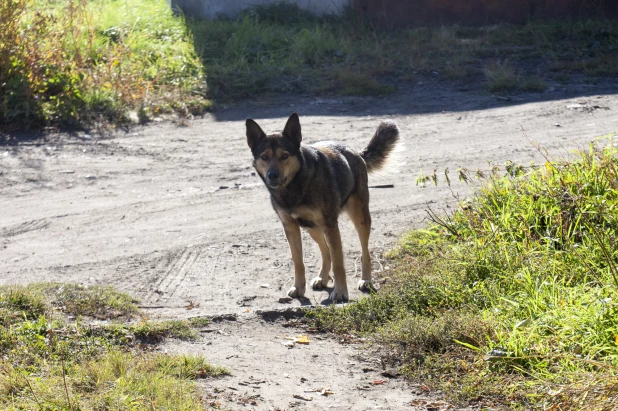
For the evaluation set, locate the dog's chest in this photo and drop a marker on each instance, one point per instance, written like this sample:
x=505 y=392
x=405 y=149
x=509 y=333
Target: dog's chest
x=306 y=217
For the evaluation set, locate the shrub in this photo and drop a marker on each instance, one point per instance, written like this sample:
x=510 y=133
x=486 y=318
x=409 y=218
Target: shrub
x=78 y=61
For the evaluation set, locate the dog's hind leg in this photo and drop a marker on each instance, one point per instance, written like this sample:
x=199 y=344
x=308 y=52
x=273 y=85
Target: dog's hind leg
x=295 y=240
x=358 y=211
x=321 y=281
x=333 y=239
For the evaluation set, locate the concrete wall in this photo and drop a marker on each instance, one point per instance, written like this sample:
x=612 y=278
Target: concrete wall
x=211 y=9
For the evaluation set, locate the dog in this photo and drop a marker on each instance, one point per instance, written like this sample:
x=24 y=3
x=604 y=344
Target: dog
x=310 y=185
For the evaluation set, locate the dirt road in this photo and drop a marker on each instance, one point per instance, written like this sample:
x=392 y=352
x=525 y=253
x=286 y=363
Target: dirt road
x=175 y=215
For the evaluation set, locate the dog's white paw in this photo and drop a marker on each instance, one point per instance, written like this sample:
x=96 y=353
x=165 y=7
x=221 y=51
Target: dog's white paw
x=297 y=292
x=339 y=294
x=318 y=283
x=365 y=286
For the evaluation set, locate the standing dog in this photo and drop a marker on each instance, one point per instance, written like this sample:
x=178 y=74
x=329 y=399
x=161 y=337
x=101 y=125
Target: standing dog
x=311 y=185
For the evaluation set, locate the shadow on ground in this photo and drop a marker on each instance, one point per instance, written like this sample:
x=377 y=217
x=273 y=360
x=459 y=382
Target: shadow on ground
x=425 y=98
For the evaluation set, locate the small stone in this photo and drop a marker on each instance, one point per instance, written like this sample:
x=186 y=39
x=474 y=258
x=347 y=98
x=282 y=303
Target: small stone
x=390 y=373
x=133 y=117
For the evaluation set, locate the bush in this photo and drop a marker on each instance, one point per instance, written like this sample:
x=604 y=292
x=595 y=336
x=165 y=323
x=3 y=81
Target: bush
x=78 y=61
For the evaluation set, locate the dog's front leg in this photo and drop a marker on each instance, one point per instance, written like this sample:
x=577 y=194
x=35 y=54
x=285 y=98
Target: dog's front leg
x=321 y=281
x=295 y=240
x=333 y=238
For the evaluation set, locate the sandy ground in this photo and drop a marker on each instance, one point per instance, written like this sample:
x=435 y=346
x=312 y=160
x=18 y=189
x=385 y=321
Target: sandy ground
x=176 y=216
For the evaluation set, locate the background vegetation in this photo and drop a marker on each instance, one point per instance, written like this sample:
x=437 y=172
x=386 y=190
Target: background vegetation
x=78 y=61
x=279 y=48
x=513 y=299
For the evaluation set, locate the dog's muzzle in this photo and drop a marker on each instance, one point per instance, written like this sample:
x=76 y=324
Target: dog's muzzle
x=272 y=178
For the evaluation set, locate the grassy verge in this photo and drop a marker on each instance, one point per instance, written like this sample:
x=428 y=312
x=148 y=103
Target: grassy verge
x=52 y=362
x=280 y=48
x=78 y=62
x=513 y=299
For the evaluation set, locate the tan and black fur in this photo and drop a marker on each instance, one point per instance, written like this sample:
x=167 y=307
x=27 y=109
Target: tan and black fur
x=310 y=185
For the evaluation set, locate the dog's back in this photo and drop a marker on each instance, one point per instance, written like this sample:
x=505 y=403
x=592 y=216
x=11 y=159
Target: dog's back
x=342 y=172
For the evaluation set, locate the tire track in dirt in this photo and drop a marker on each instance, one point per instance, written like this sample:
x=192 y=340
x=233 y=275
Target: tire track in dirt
x=26 y=227
x=175 y=273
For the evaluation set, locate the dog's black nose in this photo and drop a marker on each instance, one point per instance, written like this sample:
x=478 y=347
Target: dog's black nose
x=272 y=175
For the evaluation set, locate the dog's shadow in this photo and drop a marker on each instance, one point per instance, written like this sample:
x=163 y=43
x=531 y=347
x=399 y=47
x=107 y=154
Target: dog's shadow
x=304 y=301
x=328 y=301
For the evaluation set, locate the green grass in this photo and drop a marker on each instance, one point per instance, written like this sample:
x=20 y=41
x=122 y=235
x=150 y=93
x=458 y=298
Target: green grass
x=513 y=298
x=78 y=62
x=280 y=48
x=51 y=362
x=152 y=332
x=94 y=301
x=503 y=77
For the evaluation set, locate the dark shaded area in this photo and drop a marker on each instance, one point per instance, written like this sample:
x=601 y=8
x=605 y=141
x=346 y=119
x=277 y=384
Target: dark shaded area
x=280 y=53
x=18 y=134
x=285 y=313
x=409 y=100
x=407 y=13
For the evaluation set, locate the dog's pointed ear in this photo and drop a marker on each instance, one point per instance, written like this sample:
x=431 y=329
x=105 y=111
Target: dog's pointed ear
x=255 y=134
x=292 y=129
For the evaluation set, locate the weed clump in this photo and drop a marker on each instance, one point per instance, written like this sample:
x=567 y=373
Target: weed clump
x=102 y=302
x=512 y=298
x=502 y=77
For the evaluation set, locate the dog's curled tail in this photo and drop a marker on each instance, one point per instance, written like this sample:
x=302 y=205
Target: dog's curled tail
x=383 y=144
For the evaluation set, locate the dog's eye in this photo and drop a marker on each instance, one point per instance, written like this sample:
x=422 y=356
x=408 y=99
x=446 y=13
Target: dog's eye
x=285 y=156
x=264 y=157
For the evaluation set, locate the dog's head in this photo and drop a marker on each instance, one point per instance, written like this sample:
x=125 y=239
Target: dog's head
x=276 y=157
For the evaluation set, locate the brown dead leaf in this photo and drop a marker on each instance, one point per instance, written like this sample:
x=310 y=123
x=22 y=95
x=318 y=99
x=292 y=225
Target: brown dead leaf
x=425 y=387
x=378 y=382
